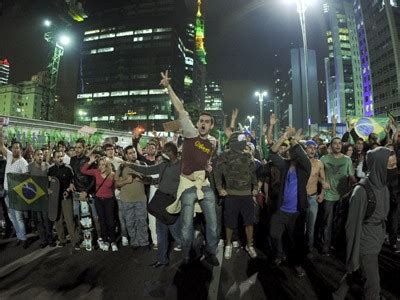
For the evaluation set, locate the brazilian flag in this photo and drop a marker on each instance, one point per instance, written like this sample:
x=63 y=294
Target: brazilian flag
x=366 y=125
x=28 y=192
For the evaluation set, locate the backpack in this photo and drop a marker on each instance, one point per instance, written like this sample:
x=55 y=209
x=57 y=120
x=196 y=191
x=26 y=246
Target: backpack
x=340 y=220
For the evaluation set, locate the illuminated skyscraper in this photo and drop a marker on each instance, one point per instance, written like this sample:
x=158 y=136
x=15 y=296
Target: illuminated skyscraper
x=200 y=48
x=365 y=61
x=342 y=67
x=214 y=103
x=126 y=45
x=4 y=71
x=382 y=30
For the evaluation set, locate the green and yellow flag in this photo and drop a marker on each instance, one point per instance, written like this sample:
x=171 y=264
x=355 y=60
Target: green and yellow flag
x=28 y=192
x=366 y=125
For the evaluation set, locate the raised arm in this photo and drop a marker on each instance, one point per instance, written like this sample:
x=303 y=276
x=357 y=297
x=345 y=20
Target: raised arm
x=276 y=159
x=272 y=123
x=188 y=129
x=235 y=113
x=334 y=123
x=297 y=152
x=176 y=102
x=146 y=170
x=85 y=169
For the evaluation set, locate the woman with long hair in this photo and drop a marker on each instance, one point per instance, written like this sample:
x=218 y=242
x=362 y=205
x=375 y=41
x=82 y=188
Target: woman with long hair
x=104 y=199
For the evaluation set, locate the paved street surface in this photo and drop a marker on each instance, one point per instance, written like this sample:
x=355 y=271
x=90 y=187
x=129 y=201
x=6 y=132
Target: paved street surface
x=61 y=273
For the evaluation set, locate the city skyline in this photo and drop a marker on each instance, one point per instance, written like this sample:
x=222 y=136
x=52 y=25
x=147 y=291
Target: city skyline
x=243 y=48
x=217 y=32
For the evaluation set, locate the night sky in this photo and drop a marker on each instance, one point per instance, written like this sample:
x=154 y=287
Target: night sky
x=245 y=41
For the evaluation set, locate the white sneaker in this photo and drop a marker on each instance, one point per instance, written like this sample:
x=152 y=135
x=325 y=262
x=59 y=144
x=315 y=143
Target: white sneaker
x=235 y=244
x=228 y=252
x=106 y=247
x=100 y=242
x=125 y=241
x=252 y=252
x=178 y=248
x=114 y=247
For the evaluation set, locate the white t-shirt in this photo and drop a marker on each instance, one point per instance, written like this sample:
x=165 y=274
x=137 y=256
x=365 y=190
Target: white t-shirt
x=20 y=166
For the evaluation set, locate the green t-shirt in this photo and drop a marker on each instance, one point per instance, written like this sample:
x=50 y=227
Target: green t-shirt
x=337 y=172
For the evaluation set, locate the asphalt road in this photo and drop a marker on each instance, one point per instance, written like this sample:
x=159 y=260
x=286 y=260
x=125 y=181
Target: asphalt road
x=61 y=273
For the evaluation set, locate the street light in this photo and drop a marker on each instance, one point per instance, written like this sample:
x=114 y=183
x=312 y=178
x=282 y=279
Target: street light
x=57 y=40
x=261 y=95
x=47 y=23
x=301 y=9
x=64 y=40
x=250 y=118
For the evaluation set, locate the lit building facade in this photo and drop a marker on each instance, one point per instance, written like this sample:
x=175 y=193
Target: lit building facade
x=382 y=28
x=342 y=66
x=213 y=103
x=125 y=47
x=22 y=100
x=4 y=71
x=300 y=119
x=368 y=106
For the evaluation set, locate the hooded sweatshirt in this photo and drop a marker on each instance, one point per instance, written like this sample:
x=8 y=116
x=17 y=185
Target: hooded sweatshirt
x=366 y=237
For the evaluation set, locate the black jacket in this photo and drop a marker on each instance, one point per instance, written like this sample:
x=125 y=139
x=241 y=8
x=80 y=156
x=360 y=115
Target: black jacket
x=64 y=174
x=303 y=170
x=83 y=183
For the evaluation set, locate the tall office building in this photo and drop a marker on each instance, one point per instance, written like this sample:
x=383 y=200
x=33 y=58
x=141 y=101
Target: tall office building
x=365 y=61
x=382 y=28
x=213 y=103
x=125 y=46
x=342 y=67
x=299 y=88
x=4 y=71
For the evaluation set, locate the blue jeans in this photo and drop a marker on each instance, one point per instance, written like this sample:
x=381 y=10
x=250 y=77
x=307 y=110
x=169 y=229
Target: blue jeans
x=188 y=199
x=312 y=212
x=17 y=218
x=162 y=238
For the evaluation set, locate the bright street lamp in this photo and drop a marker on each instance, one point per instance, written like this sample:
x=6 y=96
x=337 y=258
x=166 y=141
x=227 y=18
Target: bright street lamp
x=47 y=23
x=250 y=118
x=64 y=40
x=261 y=95
x=301 y=9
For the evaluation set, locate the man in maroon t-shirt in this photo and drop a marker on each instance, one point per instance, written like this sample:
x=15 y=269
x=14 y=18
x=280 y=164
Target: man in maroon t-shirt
x=196 y=154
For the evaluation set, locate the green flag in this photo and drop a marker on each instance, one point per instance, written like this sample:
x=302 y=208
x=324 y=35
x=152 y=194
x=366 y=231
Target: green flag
x=28 y=192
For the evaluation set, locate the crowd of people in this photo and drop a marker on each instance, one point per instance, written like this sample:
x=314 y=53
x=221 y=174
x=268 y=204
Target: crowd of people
x=295 y=196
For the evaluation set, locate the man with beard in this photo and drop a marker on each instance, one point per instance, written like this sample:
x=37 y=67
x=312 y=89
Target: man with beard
x=365 y=227
x=338 y=171
x=194 y=187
